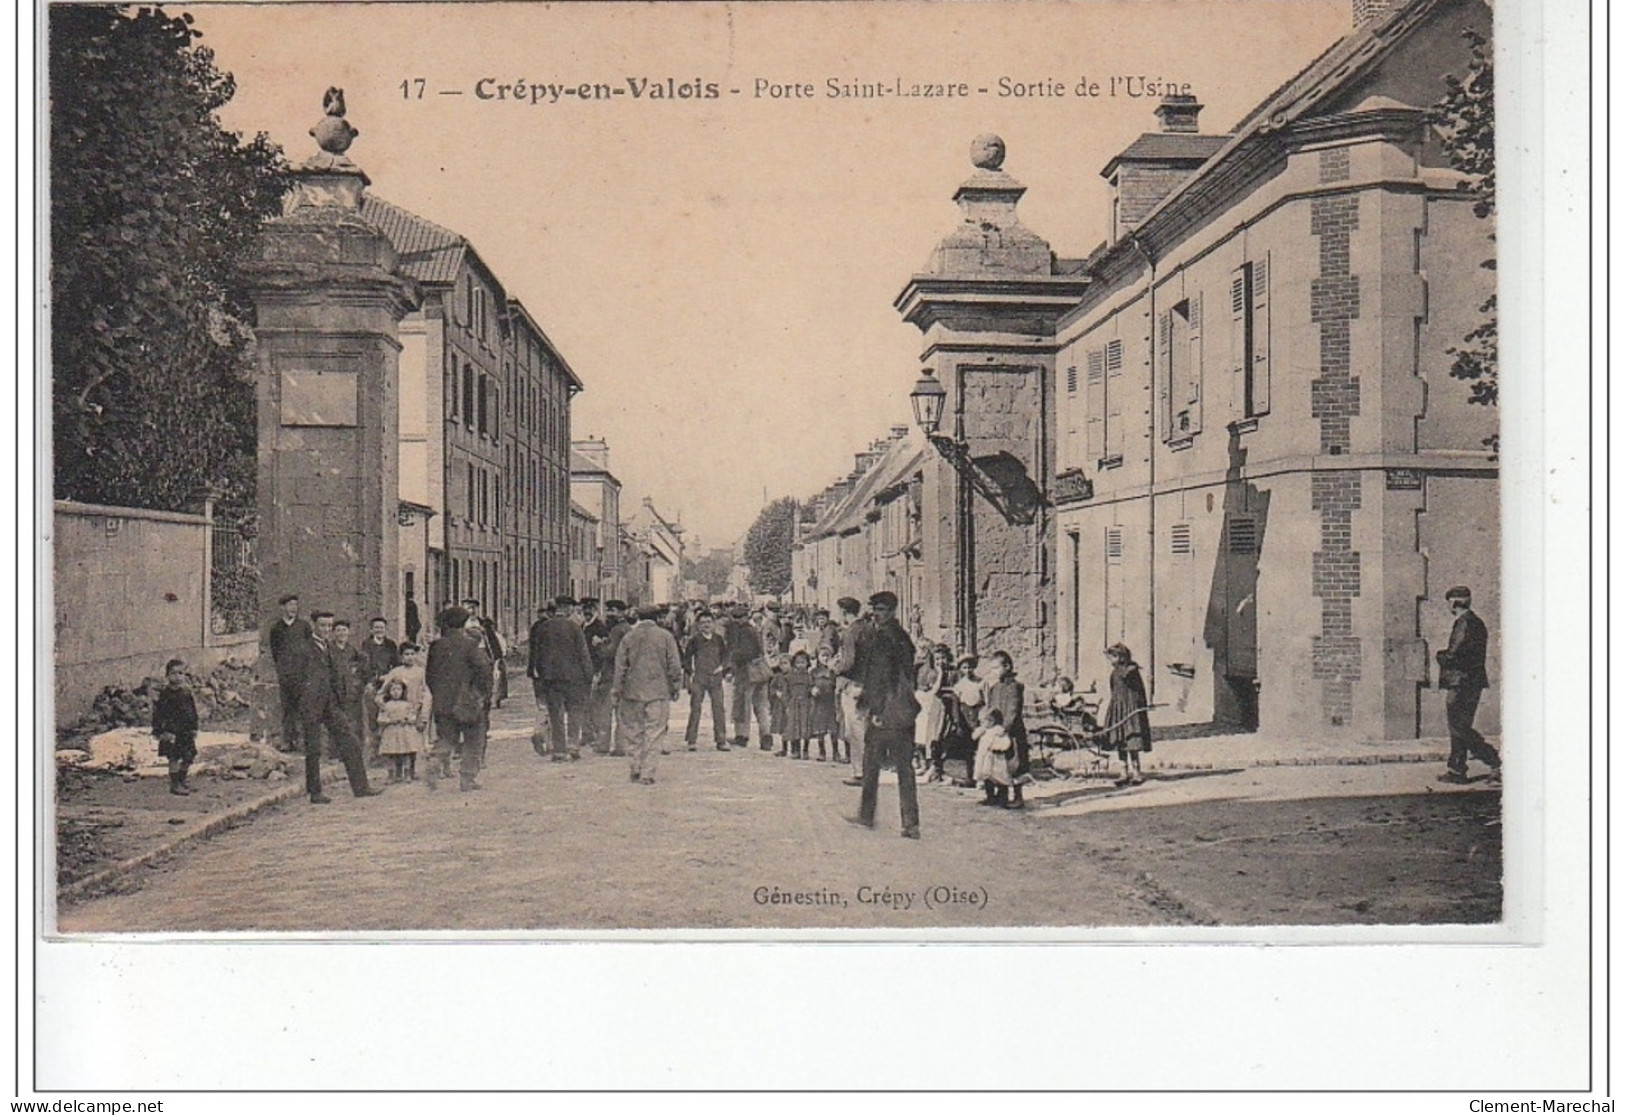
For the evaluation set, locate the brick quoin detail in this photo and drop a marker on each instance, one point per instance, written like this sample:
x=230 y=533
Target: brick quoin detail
x=1334 y=164
x=1334 y=400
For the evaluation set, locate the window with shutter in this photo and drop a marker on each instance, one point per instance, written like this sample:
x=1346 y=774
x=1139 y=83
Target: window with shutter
x=1114 y=398
x=1260 y=336
x=1095 y=389
x=1193 y=394
x=1241 y=344
x=1164 y=368
x=1072 y=379
x=1114 y=545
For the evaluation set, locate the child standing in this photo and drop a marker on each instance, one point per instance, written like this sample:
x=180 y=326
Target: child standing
x=174 y=722
x=798 y=704
x=992 y=768
x=969 y=695
x=823 y=704
x=777 y=691
x=400 y=736
x=1008 y=697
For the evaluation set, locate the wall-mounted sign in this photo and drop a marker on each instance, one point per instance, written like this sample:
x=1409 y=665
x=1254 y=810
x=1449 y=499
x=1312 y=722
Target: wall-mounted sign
x=1404 y=480
x=312 y=398
x=1072 y=486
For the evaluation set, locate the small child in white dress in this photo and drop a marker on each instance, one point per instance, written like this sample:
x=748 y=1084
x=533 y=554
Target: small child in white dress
x=993 y=750
x=401 y=734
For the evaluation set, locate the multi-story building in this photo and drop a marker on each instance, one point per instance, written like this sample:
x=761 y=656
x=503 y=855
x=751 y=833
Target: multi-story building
x=662 y=541
x=585 y=565
x=598 y=491
x=484 y=431
x=1266 y=477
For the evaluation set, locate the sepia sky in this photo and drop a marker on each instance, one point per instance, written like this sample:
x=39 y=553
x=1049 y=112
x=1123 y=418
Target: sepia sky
x=720 y=272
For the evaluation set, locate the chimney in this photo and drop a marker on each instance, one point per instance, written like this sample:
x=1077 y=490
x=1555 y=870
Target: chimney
x=595 y=450
x=1157 y=163
x=1178 y=112
x=1369 y=11
x=899 y=432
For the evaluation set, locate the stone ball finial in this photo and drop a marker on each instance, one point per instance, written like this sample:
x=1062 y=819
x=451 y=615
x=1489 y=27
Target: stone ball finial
x=334 y=134
x=987 y=152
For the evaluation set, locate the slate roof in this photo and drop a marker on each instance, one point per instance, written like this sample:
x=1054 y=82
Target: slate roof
x=1168 y=147
x=902 y=458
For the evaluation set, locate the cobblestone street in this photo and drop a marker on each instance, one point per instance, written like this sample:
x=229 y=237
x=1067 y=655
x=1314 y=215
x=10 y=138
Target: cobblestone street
x=577 y=846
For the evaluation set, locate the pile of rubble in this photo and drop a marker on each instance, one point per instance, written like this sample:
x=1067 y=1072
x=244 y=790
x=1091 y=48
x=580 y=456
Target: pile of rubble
x=134 y=752
x=221 y=694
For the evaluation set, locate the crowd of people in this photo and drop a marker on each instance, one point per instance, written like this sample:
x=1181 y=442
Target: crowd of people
x=848 y=688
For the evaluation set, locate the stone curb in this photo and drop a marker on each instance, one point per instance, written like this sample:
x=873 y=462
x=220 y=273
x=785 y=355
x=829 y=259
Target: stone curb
x=1304 y=761
x=92 y=884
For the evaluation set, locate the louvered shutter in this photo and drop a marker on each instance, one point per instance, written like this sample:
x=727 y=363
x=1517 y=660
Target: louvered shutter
x=1114 y=398
x=1095 y=392
x=1194 y=366
x=1164 y=371
x=1261 y=335
x=1240 y=349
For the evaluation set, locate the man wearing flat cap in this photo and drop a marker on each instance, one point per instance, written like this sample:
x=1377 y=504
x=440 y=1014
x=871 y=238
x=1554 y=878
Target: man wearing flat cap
x=1463 y=678
x=884 y=667
x=289 y=640
x=561 y=672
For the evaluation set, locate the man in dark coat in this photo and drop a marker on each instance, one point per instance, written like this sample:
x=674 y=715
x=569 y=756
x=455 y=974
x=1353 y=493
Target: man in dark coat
x=1463 y=678
x=289 y=640
x=561 y=671
x=494 y=647
x=596 y=632
x=382 y=656
x=705 y=660
x=322 y=696
x=413 y=623
x=459 y=678
x=745 y=647
x=884 y=666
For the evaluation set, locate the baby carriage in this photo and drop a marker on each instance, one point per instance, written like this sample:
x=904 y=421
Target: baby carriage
x=1072 y=725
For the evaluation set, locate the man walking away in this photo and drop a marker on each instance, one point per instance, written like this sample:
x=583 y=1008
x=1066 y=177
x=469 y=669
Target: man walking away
x=648 y=676
x=1463 y=678
x=561 y=670
x=289 y=639
x=459 y=678
x=705 y=660
x=885 y=670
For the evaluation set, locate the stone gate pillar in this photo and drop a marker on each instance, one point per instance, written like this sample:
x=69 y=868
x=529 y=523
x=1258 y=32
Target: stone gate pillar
x=329 y=300
x=988 y=304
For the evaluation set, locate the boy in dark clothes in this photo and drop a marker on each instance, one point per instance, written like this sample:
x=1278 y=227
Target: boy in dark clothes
x=174 y=722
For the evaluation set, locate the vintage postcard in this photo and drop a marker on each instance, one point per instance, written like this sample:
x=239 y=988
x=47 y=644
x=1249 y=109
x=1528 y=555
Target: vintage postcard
x=934 y=471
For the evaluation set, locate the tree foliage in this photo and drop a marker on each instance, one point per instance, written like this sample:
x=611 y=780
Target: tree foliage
x=768 y=544
x=153 y=207
x=1465 y=120
x=711 y=570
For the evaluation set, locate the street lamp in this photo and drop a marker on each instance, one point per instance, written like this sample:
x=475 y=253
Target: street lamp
x=927 y=398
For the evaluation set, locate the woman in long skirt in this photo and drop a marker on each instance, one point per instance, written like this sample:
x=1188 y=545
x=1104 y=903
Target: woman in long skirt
x=1128 y=727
